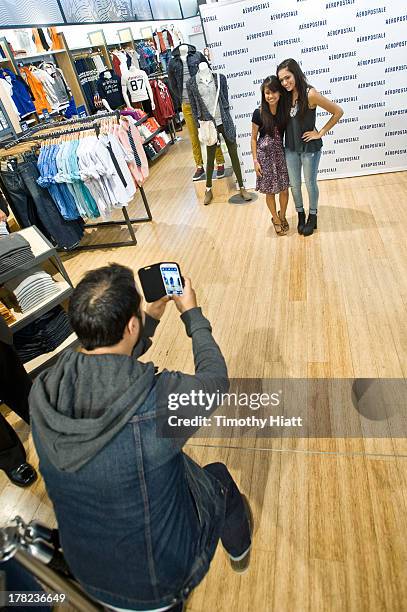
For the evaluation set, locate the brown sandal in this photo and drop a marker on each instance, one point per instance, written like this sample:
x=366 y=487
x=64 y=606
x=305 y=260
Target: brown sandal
x=284 y=223
x=278 y=228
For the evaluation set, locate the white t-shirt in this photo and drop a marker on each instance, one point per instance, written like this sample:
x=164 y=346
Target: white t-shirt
x=137 y=85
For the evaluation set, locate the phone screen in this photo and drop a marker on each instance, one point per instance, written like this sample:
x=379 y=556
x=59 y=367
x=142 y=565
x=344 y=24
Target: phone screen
x=171 y=279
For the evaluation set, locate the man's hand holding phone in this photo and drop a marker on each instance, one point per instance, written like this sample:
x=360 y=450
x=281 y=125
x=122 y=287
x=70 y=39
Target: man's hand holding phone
x=188 y=299
x=156 y=309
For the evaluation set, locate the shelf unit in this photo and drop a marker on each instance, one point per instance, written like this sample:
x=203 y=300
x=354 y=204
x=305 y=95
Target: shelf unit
x=43 y=251
x=62 y=58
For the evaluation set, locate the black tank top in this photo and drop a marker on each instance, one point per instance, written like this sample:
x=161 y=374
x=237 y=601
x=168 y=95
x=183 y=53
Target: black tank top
x=296 y=128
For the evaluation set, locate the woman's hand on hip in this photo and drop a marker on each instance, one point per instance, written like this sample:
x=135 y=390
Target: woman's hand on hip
x=313 y=135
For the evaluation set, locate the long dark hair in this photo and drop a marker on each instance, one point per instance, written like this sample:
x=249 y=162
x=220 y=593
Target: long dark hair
x=301 y=84
x=269 y=120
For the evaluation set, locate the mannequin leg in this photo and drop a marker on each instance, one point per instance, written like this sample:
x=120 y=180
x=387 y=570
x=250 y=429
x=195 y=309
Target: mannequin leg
x=210 y=164
x=232 y=148
x=220 y=160
x=193 y=134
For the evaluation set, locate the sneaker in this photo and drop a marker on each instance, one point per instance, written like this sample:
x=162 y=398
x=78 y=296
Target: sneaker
x=241 y=564
x=220 y=172
x=199 y=174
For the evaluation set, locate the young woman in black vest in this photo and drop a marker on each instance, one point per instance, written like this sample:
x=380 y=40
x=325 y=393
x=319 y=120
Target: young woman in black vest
x=302 y=140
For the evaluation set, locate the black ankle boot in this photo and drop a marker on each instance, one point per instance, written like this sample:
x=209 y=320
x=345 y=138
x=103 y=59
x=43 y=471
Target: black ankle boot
x=310 y=225
x=301 y=222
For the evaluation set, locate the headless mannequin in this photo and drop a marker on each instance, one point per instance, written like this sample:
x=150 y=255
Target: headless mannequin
x=183 y=53
x=205 y=75
x=133 y=71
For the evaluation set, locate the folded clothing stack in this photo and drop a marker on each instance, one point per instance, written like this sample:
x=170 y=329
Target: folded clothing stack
x=6 y=314
x=3 y=229
x=45 y=334
x=156 y=144
x=31 y=288
x=149 y=127
x=15 y=252
x=136 y=113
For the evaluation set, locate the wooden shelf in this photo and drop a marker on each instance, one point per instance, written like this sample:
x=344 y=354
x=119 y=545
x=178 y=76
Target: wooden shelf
x=23 y=319
x=37 y=364
x=38 y=55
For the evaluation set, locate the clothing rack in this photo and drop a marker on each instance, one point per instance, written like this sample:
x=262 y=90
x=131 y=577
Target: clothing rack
x=92 y=124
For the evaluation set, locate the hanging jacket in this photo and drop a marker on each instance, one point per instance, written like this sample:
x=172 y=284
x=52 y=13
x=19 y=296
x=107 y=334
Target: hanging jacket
x=200 y=111
x=40 y=98
x=164 y=108
x=20 y=94
x=176 y=71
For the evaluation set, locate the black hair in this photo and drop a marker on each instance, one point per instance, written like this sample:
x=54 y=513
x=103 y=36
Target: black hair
x=301 y=84
x=269 y=120
x=102 y=304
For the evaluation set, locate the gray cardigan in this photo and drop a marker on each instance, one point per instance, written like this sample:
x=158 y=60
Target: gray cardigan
x=201 y=113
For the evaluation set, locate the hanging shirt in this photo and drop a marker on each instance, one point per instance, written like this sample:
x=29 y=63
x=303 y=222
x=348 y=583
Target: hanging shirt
x=109 y=88
x=61 y=89
x=37 y=89
x=138 y=85
x=19 y=92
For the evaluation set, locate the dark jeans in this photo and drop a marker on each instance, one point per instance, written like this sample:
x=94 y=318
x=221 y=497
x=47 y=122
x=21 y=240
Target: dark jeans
x=235 y=534
x=210 y=159
x=15 y=385
x=33 y=205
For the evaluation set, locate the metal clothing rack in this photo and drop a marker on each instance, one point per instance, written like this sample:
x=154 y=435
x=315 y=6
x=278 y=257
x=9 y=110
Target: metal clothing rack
x=92 y=124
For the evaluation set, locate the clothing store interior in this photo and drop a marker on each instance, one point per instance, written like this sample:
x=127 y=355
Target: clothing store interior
x=257 y=153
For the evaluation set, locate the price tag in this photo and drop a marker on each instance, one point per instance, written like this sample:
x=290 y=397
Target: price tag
x=24 y=126
x=46 y=115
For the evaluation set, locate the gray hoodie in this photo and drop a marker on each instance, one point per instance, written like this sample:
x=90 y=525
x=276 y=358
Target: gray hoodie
x=83 y=401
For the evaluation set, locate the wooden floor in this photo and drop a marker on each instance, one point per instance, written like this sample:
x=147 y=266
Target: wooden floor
x=330 y=514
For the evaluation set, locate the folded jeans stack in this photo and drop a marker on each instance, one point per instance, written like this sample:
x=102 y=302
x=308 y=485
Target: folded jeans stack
x=15 y=252
x=31 y=288
x=45 y=334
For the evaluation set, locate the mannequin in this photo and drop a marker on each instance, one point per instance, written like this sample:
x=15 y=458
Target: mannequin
x=202 y=91
x=136 y=84
x=182 y=66
x=109 y=90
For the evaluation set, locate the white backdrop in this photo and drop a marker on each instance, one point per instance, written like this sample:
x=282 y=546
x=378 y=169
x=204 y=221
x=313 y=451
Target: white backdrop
x=353 y=51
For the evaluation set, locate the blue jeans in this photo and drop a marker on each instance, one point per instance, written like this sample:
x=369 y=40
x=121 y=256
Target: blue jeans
x=309 y=163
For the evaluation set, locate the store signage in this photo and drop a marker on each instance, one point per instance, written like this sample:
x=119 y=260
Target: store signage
x=351 y=52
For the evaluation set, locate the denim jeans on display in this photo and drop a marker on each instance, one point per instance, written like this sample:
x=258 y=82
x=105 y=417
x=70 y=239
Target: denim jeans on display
x=33 y=205
x=309 y=162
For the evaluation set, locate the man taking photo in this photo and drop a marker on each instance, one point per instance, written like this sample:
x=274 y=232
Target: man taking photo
x=139 y=520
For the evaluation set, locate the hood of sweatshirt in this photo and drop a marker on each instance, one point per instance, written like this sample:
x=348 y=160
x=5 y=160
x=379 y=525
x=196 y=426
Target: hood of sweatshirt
x=83 y=401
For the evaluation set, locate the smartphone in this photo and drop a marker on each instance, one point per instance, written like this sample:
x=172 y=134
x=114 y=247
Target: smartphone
x=171 y=278
x=161 y=279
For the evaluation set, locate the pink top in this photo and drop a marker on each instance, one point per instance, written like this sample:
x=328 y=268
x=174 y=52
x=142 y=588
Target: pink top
x=139 y=173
